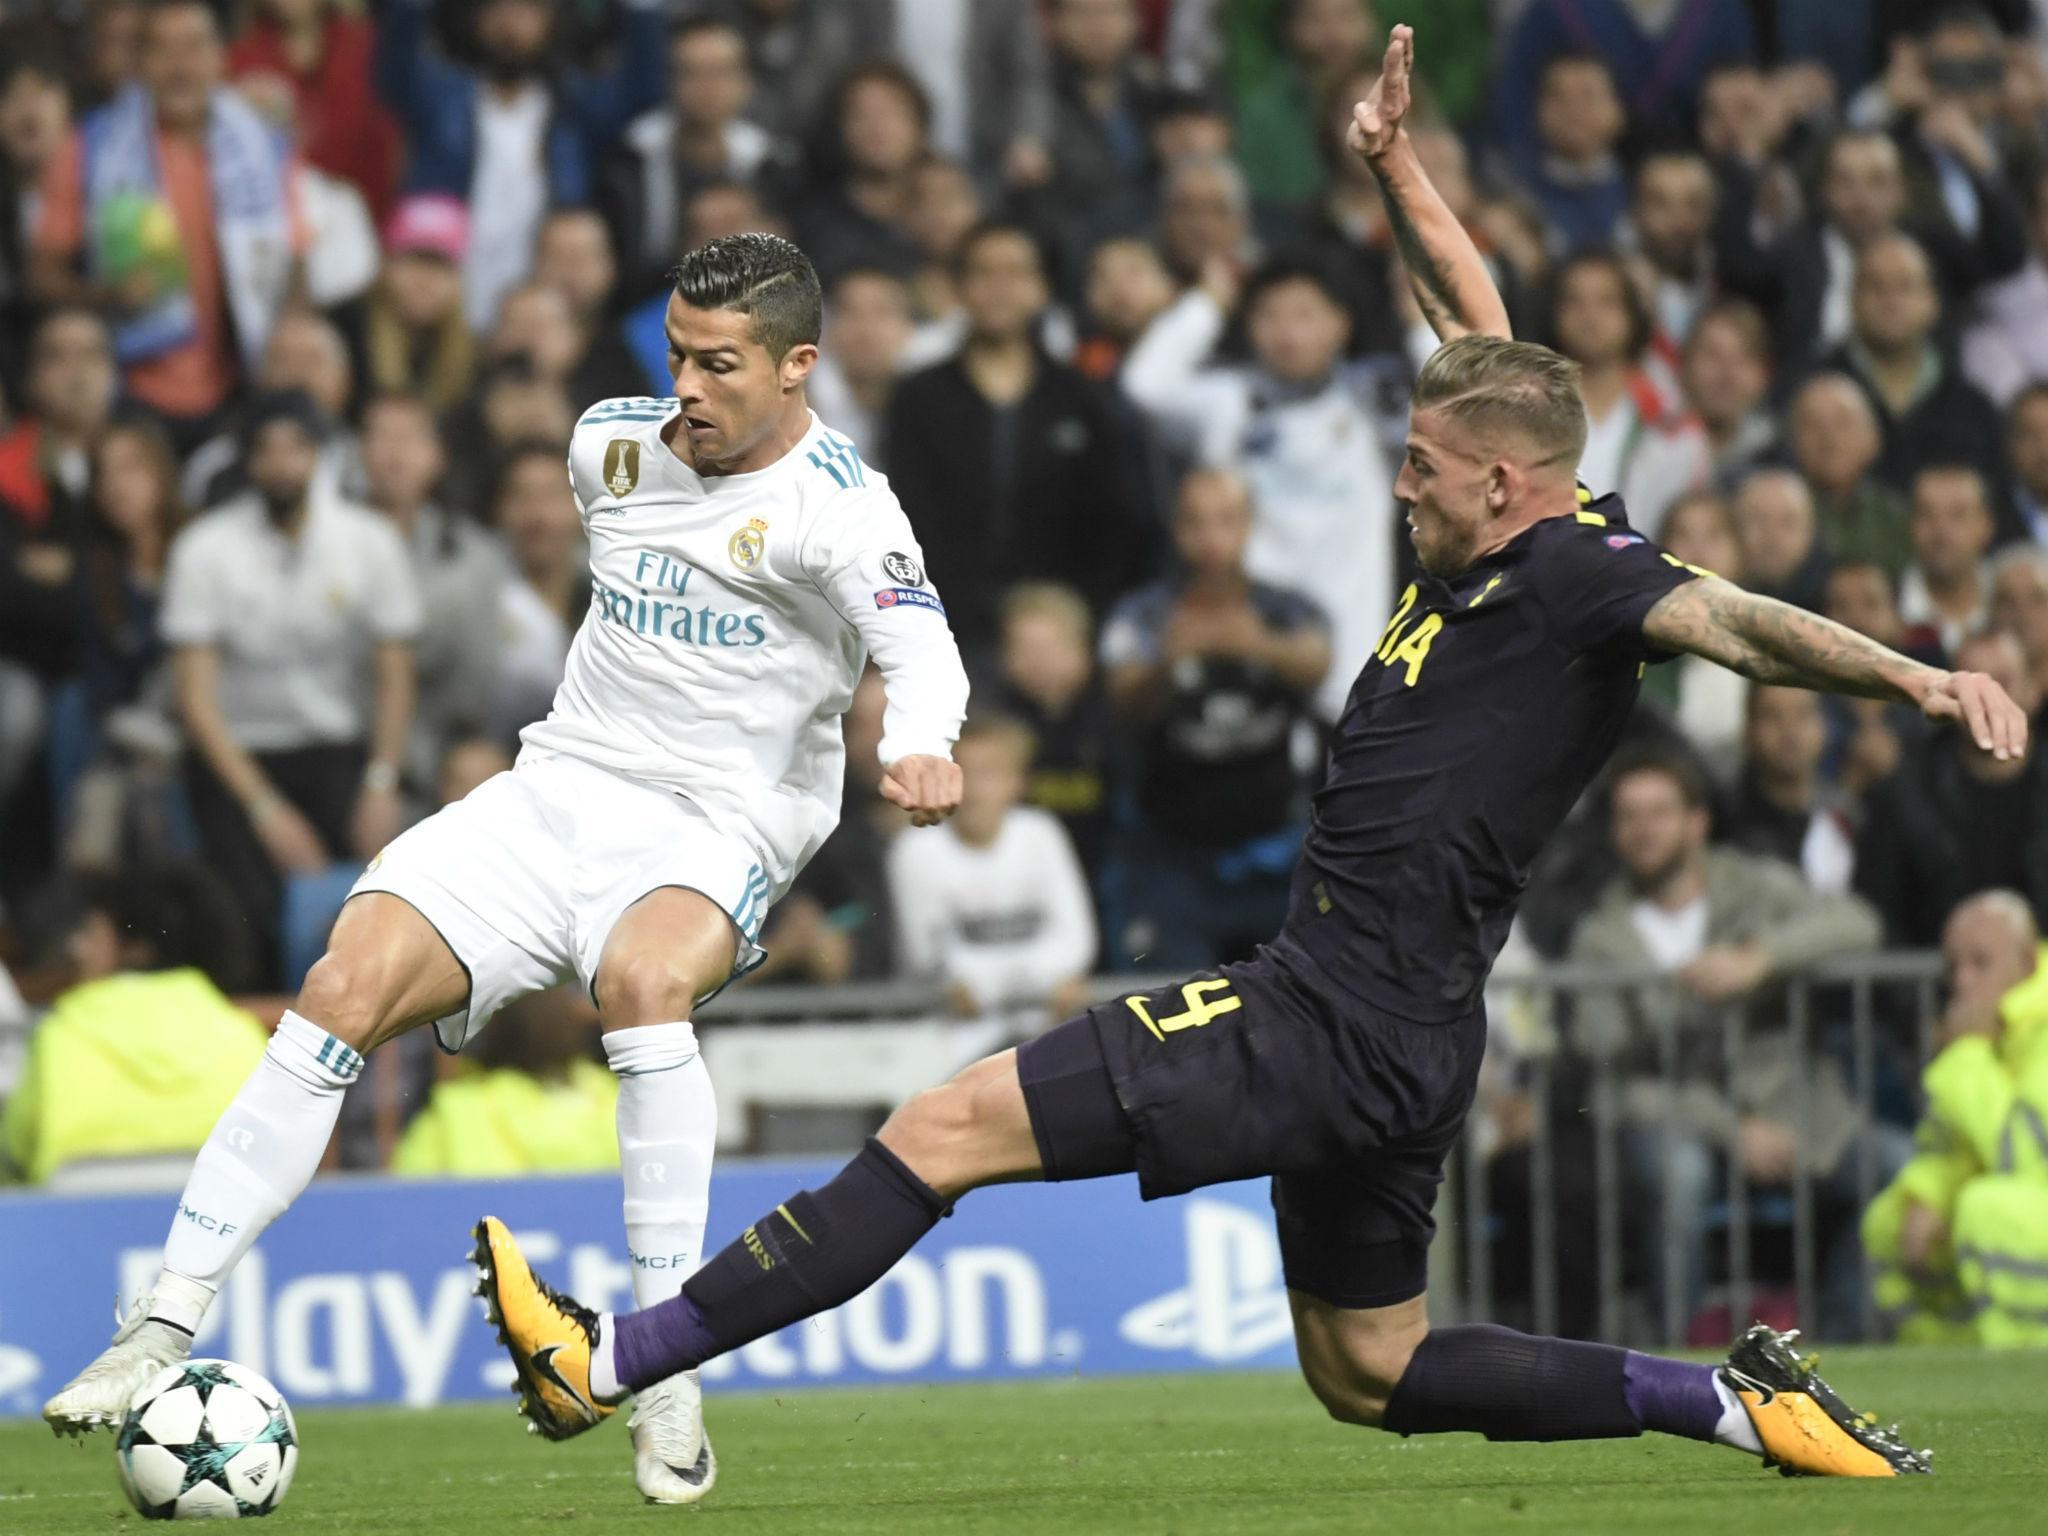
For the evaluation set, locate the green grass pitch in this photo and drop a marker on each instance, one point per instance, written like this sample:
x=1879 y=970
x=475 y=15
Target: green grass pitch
x=1187 y=1455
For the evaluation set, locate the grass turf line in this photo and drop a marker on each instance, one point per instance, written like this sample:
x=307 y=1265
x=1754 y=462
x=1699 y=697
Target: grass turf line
x=1188 y=1455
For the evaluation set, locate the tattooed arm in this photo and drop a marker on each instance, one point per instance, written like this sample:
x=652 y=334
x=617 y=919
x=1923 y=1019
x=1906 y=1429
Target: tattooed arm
x=1772 y=642
x=1445 y=269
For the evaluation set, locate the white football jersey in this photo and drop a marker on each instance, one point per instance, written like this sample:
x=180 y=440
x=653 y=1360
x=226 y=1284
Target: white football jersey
x=730 y=617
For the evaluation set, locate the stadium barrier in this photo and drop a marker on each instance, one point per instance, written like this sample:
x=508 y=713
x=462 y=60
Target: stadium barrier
x=1873 y=1015
x=360 y=1294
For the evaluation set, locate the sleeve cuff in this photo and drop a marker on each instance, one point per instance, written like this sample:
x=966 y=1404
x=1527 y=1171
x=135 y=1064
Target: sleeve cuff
x=895 y=748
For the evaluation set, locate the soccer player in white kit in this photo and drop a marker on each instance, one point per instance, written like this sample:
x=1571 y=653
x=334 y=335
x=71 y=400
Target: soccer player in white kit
x=745 y=563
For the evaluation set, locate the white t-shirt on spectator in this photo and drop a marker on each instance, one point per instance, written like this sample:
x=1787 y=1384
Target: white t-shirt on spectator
x=533 y=650
x=1010 y=921
x=931 y=37
x=508 y=193
x=1673 y=937
x=1322 y=492
x=1648 y=463
x=342 y=253
x=295 y=619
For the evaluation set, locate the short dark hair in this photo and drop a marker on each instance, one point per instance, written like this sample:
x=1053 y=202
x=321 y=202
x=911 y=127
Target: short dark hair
x=1291 y=267
x=867 y=272
x=1856 y=565
x=1676 y=765
x=33 y=55
x=1961 y=467
x=764 y=277
x=1959 y=14
x=511 y=457
x=995 y=229
x=182 y=914
x=1186 y=101
x=1641 y=323
x=291 y=407
x=1740 y=316
x=883 y=71
x=53 y=313
x=1574 y=58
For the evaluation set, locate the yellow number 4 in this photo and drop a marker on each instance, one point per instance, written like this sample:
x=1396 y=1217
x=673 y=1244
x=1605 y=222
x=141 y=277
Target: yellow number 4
x=1200 y=1010
x=1414 y=650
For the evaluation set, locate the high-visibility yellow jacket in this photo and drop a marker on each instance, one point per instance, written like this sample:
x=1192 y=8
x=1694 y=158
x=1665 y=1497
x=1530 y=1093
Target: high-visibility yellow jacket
x=1987 y=1100
x=134 y=1064
x=504 y=1122
x=1982 y=1163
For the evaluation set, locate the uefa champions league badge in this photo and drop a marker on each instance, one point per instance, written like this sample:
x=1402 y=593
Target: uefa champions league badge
x=1623 y=540
x=749 y=544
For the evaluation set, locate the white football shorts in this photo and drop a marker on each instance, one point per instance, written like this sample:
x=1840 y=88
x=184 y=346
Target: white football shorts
x=526 y=877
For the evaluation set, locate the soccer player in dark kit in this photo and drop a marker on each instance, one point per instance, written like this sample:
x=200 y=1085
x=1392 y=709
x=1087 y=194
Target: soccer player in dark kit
x=1341 y=1059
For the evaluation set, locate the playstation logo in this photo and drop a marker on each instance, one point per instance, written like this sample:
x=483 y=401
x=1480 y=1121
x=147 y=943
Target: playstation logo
x=1234 y=1305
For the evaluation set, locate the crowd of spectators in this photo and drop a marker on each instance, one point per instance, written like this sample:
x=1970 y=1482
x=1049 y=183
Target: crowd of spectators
x=300 y=299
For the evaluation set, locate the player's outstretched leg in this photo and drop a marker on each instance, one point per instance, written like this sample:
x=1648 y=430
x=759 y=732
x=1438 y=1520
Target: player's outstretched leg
x=1384 y=1366
x=385 y=970
x=817 y=1249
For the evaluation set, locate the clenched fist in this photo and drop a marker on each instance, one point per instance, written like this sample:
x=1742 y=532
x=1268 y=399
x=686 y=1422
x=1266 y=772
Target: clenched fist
x=927 y=787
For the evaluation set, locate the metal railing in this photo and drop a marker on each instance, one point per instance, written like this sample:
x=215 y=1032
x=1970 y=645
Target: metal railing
x=1854 y=987
x=1876 y=1010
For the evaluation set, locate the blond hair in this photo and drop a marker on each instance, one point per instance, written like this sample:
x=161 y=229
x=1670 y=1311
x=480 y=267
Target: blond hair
x=1052 y=600
x=1491 y=385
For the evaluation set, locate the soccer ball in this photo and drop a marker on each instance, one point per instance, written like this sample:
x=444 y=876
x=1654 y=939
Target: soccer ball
x=206 y=1440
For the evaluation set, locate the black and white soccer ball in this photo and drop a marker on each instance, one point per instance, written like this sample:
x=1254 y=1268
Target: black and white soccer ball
x=206 y=1440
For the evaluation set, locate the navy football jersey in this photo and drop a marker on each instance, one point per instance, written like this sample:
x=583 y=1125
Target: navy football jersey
x=1488 y=705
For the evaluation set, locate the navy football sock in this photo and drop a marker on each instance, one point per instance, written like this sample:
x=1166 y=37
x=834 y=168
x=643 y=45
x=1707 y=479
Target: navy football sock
x=1673 y=1397
x=812 y=1252
x=1513 y=1386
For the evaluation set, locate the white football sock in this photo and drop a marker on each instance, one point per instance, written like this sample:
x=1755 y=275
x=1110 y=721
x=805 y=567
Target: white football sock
x=1735 y=1428
x=668 y=1123
x=261 y=1154
x=604 y=1367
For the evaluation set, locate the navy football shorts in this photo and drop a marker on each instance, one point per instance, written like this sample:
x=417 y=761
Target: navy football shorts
x=1251 y=1071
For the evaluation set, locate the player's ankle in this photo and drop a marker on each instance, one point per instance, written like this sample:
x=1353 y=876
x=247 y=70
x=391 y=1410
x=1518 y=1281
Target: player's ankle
x=1736 y=1428
x=180 y=1302
x=605 y=1385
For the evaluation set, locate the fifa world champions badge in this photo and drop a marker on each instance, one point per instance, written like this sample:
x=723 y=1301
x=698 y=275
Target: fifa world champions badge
x=621 y=465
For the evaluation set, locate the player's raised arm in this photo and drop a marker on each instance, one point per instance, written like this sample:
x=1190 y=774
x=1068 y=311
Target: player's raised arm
x=1773 y=642
x=1445 y=268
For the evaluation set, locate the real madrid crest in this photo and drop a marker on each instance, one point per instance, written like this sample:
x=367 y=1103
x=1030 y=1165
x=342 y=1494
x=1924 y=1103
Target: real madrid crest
x=622 y=465
x=749 y=544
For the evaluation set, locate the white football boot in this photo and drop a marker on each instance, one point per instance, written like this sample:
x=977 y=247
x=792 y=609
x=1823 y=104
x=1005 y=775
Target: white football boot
x=97 y=1396
x=672 y=1460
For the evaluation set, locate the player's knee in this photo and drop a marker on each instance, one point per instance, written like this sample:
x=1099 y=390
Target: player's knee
x=347 y=993
x=947 y=1135
x=1345 y=1403
x=1354 y=1381
x=931 y=1127
x=650 y=986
